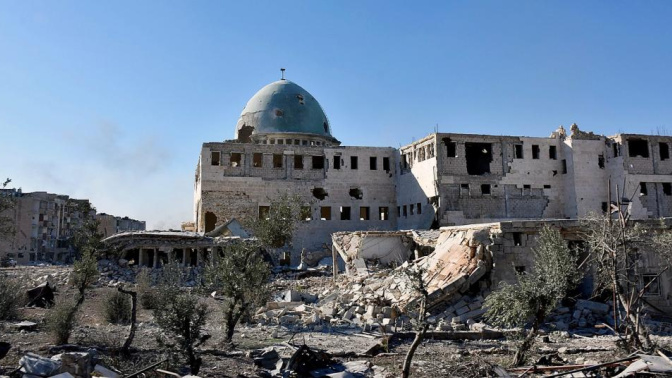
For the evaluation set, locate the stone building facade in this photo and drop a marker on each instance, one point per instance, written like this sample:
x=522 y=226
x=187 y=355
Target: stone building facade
x=111 y=224
x=283 y=144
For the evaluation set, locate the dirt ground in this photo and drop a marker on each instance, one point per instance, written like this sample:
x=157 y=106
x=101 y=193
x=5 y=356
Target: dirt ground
x=434 y=358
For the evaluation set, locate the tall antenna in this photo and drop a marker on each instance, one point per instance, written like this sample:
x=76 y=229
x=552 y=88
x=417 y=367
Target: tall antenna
x=282 y=73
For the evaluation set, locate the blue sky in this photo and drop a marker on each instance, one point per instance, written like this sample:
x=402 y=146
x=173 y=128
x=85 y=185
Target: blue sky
x=111 y=101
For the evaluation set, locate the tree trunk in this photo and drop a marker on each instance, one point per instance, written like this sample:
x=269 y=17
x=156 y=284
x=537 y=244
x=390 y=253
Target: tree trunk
x=409 y=356
x=134 y=306
x=519 y=357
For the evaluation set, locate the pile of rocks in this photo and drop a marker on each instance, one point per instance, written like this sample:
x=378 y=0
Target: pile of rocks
x=117 y=273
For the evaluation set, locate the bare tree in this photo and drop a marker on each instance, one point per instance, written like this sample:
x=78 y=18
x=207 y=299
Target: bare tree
x=617 y=245
x=537 y=293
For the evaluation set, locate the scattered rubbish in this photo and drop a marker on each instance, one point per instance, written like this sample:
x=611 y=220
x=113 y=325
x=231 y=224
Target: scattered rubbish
x=41 y=295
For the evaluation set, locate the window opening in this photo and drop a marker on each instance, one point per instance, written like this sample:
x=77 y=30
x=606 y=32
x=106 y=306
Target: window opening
x=214 y=157
x=642 y=189
x=356 y=193
x=667 y=189
x=535 y=151
x=485 y=188
x=552 y=152
x=517 y=239
x=306 y=213
x=258 y=160
x=337 y=162
x=386 y=164
x=277 y=161
x=383 y=213
x=353 y=162
x=451 y=147
x=236 y=159
x=364 y=213
x=264 y=212
x=412 y=208
x=518 y=151
x=345 y=213
x=653 y=282
x=564 y=166
x=479 y=156
x=638 y=148
x=325 y=213
x=419 y=208
x=600 y=161
x=373 y=163
x=664 y=151
x=298 y=161
x=318 y=162
x=405 y=211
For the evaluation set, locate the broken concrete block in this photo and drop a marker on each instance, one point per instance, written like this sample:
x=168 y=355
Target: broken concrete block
x=38 y=365
x=600 y=308
x=462 y=310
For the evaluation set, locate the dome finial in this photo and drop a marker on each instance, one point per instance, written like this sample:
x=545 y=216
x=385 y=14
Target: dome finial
x=282 y=73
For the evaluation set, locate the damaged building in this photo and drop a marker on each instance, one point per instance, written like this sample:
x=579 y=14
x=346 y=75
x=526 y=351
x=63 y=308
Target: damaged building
x=284 y=144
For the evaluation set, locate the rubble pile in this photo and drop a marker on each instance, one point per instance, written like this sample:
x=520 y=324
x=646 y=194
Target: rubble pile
x=374 y=300
x=113 y=274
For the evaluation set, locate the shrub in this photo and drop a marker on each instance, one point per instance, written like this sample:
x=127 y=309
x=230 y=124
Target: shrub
x=11 y=297
x=61 y=320
x=146 y=294
x=118 y=308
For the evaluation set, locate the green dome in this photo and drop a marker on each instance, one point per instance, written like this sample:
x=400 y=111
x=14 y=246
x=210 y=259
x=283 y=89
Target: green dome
x=282 y=107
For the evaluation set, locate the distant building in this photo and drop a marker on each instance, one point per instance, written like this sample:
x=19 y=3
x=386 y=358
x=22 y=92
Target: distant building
x=284 y=144
x=44 y=224
x=111 y=224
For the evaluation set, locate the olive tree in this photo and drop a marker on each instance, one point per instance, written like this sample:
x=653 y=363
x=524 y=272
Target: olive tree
x=241 y=277
x=275 y=226
x=181 y=314
x=537 y=293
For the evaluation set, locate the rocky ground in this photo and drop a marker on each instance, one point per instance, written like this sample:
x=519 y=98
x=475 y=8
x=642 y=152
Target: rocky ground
x=345 y=340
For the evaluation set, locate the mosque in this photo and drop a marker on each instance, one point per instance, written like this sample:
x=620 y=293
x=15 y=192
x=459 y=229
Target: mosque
x=284 y=144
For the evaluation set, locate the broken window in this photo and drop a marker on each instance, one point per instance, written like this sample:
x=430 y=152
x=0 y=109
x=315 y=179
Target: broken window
x=518 y=148
x=297 y=142
x=325 y=213
x=552 y=152
x=345 y=213
x=277 y=161
x=615 y=149
x=600 y=161
x=412 y=208
x=353 y=162
x=373 y=163
x=419 y=208
x=337 y=162
x=306 y=213
x=517 y=239
x=464 y=189
x=398 y=211
x=318 y=162
x=258 y=160
x=664 y=151
x=214 y=157
x=638 y=148
x=404 y=162
x=667 y=189
x=405 y=211
x=356 y=193
x=650 y=285
x=386 y=164
x=364 y=213
x=479 y=156
x=485 y=188
x=383 y=213
x=236 y=159
x=304 y=142
x=264 y=212
x=451 y=147
x=642 y=189
x=320 y=193
x=535 y=151
x=298 y=161
x=210 y=221
x=527 y=189
x=564 y=166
